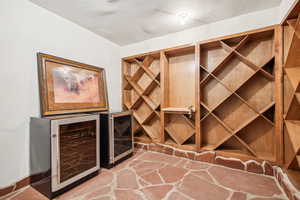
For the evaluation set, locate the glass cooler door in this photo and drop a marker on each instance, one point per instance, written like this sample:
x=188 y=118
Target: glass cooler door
x=122 y=136
x=75 y=150
x=77 y=144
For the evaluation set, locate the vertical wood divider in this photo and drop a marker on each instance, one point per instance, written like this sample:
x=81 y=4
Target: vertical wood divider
x=164 y=68
x=197 y=98
x=278 y=93
x=124 y=71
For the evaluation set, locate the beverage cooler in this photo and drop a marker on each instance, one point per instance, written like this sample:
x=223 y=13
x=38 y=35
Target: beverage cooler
x=64 y=151
x=116 y=138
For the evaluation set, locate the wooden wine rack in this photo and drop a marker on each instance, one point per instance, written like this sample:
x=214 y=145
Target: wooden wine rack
x=222 y=95
x=292 y=98
x=237 y=95
x=141 y=94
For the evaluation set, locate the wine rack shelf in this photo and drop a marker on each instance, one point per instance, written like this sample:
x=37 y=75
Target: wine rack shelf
x=219 y=95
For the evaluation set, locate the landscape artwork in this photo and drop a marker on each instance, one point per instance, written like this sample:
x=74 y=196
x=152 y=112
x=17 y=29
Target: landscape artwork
x=68 y=86
x=71 y=85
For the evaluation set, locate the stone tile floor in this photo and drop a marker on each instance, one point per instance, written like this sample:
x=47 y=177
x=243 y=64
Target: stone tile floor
x=156 y=176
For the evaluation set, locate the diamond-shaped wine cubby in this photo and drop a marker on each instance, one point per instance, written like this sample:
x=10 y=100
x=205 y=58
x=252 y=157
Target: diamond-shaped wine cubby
x=141 y=93
x=292 y=96
x=237 y=95
x=179 y=128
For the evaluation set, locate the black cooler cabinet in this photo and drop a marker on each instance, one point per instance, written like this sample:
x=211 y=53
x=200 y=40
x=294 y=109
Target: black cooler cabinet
x=116 y=137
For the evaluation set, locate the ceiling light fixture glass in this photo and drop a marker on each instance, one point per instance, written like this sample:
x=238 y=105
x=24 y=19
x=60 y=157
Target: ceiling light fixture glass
x=183 y=17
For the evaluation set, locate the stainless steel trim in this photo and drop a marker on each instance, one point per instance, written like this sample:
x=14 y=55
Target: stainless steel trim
x=132 y=136
x=111 y=139
x=55 y=155
x=112 y=158
x=122 y=155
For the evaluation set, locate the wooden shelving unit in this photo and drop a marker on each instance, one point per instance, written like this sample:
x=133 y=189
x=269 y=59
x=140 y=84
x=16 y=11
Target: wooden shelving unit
x=141 y=93
x=292 y=97
x=178 y=99
x=222 y=94
x=237 y=104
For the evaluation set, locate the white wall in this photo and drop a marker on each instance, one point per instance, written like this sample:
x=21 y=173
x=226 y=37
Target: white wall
x=25 y=30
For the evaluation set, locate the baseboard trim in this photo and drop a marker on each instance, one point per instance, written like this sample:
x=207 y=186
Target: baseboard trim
x=12 y=188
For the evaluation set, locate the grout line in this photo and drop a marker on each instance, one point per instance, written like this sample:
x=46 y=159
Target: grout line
x=285 y=181
x=230 y=196
x=162 y=179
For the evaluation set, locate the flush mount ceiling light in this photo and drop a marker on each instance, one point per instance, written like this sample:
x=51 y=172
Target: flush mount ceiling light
x=183 y=17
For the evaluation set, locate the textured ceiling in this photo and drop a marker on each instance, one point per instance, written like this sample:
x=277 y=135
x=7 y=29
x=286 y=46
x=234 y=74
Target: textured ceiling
x=129 y=21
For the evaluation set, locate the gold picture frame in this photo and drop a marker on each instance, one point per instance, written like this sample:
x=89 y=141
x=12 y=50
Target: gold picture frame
x=68 y=86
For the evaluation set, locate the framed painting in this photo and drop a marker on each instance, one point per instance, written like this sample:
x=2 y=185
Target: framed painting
x=67 y=86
